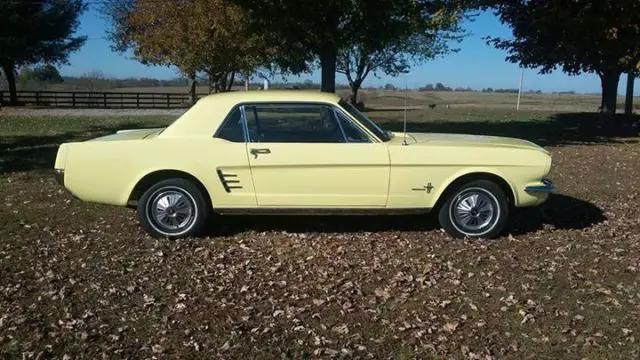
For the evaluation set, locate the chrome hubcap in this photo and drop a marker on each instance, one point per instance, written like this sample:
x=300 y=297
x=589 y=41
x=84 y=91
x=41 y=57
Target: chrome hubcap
x=172 y=210
x=474 y=211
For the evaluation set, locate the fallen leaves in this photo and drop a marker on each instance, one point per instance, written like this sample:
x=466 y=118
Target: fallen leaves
x=450 y=327
x=83 y=280
x=341 y=329
x=382 y=293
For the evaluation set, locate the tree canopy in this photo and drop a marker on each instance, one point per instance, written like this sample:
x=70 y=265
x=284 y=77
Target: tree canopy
x=593 y=36
x=46 y=74
x=209 y=36
x=429 y=38
x=321 y=29
x=37 y=31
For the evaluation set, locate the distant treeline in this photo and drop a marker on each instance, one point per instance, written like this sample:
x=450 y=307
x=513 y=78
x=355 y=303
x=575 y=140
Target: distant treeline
x=48 y=79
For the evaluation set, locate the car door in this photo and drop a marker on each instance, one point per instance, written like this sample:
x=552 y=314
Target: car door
x=234 y=184
x=313 y=156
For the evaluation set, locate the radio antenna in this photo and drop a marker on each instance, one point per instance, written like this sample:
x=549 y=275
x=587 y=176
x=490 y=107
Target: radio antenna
x=406 y=91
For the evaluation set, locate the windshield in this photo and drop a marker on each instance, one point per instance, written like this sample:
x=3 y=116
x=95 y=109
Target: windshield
x=366 y=122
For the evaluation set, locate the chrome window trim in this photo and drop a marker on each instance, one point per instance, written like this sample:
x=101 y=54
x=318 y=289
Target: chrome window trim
x=337 y=112
x=335 y=118
x=293 y=105
x=333 y=106
x=245 y=127
x=354 y=119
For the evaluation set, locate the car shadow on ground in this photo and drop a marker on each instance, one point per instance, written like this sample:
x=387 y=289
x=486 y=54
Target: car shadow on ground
x=557 y=130
x=24 y=153
x=559 y=212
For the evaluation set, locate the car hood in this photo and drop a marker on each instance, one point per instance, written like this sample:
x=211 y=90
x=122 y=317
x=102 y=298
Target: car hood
x=464 y=140
x=132 y=134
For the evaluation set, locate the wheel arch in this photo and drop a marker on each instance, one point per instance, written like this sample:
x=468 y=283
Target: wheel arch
x=462 y=179
x=153 y=177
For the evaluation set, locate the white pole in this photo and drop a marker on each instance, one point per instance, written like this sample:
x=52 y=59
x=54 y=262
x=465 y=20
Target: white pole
x=404 y=126
x=520 y=90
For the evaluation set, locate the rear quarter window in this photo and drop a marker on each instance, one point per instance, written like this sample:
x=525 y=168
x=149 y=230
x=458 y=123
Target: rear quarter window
x=231 y=129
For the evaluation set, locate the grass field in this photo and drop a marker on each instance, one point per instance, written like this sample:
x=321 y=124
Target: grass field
x=83 y=280
x=457 y=99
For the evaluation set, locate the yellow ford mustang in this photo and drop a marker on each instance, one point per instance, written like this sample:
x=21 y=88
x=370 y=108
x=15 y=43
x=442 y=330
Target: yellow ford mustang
x=286 y=152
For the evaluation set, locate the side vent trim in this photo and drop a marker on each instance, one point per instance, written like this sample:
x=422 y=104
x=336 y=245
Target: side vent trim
x=229 y=181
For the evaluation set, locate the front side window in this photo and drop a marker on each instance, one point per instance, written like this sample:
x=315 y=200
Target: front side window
x=351 y=130
x=293 y=124
x=366 y=122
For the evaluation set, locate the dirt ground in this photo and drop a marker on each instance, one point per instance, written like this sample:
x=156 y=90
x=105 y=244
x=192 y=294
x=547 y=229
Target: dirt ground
x=80 y=280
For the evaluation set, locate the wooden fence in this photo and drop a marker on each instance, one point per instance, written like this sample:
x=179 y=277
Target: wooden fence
x=104 y=100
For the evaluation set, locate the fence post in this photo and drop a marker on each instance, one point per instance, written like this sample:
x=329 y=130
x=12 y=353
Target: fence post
x=105 y=99
x=121 y=101
x=168 y=105
x=137 y=100
x=73 y=99
x=37 y=98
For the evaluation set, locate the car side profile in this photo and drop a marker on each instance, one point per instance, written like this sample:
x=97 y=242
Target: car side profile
x=296 y=152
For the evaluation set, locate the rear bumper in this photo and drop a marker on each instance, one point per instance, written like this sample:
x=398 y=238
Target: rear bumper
x=545 y=186
x=59 y=176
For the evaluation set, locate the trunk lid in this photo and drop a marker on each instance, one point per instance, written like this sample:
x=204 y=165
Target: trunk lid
x=132 y=134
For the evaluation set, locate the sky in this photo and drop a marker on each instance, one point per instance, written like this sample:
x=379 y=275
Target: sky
x=476 y=65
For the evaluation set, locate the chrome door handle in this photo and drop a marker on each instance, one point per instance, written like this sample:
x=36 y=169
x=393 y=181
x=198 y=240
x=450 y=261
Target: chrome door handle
x=255 y=152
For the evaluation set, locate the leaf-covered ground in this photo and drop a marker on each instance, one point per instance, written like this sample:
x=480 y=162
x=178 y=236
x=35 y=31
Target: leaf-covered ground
x=81 y=280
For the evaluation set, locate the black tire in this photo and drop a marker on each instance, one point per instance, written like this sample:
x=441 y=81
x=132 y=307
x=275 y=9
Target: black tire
x=186 y=209
x=483 y=216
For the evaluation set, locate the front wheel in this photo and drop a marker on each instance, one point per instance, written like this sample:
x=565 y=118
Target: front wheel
x=173 y=208
x=478 y=209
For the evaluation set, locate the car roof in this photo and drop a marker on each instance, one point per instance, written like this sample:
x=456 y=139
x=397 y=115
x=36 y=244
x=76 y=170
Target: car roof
x=272 y=96
x=208 y=113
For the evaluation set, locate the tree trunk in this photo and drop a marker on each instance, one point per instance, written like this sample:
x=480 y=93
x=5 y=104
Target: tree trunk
x=212 y=86
x=217 y=82
x=609 y=80
x=9 y=73
x=355 y=87
x=192 y=88
x=354 y=95
x=628 y=104
x=232 y=78
x=328 y=59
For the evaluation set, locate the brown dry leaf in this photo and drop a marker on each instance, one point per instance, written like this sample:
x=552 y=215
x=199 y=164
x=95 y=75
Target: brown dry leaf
x=341 y=329
x=450 y=327
x=382 y=293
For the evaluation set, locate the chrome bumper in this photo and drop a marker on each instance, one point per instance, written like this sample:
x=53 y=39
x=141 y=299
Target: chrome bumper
x=546 y=187
x=59 y=176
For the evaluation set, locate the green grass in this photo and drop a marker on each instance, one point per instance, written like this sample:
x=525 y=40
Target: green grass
x=75 y=126
x=31 y=143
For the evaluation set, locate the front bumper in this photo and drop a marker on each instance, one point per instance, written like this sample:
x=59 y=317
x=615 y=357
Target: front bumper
x=546 y=187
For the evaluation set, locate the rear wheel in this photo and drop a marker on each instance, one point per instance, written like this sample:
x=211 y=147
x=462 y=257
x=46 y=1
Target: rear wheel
x=173 y=208
x=478 y=209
